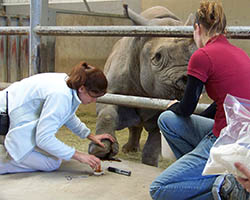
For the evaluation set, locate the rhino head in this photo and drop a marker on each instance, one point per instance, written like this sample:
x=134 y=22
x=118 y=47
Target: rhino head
x=163 y=61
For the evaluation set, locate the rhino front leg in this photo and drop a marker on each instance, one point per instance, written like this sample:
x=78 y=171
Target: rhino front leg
x=107 y=120
x=152 y=149
x=133 y=144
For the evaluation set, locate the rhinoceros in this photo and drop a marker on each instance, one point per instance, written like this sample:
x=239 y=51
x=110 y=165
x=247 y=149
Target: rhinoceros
x=146 y=67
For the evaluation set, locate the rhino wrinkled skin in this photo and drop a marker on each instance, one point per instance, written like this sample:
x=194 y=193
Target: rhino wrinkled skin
x=147 y=67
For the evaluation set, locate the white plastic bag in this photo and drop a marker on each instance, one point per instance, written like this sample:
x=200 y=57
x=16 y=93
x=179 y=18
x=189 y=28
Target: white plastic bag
x=233 y=144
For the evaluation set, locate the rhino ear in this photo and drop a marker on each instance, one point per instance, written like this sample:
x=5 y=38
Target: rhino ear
x=190 y=20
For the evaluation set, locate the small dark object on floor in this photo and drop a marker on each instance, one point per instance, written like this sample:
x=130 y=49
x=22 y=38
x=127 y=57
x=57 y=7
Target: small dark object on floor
x=119 y=171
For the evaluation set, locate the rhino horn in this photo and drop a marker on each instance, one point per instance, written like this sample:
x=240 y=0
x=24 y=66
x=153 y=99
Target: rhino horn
x=159 y=12
x=157 y=15
x=190 y=20
x=137 y=19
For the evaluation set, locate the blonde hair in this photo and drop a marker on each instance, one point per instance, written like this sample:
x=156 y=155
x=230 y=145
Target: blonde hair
x=211 y=15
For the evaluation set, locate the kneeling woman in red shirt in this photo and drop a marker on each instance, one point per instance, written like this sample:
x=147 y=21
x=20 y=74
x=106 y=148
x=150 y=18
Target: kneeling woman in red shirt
x=223 y=69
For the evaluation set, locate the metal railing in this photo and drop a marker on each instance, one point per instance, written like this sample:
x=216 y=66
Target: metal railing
x=14 y=30
x=234 y=32
x=141 y=102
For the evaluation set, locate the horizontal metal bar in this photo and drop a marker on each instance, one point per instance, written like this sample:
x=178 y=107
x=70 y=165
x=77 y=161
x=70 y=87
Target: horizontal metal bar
x=235 y=32
x=164 y=31
x=238 y=32
x=141 y=102
x=14 y=30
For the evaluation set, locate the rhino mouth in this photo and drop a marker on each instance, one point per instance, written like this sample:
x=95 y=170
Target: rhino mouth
x=178 y=75
x=181 y=82
x=180 y=85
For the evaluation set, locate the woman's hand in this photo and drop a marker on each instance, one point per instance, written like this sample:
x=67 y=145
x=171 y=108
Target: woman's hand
x=245 y=182
x=91 y=160
x=97 y=138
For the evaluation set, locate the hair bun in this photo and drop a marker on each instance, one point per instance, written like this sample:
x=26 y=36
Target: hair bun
x=211 y=16
x=85 y=65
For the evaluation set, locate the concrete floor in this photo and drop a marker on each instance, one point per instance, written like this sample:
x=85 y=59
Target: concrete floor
x=83 y=185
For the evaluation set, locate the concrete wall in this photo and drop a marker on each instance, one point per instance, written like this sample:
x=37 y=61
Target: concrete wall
x=94 y=50
x=237 y=12
x=107 y=6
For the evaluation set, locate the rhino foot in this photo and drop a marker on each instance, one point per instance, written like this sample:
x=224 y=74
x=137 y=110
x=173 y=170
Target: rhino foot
x=110 y=150
x=130 y=148
x=150 y=161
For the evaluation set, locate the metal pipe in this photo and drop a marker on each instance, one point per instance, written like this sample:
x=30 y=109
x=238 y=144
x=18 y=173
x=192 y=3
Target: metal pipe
x=34 y=39
x=238 y=32
x=87 y=5
x=166 y=31
x=235 y=32
x=141 y=102
x=14 y=30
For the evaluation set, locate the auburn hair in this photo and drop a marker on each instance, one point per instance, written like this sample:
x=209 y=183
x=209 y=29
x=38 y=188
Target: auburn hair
x=92 y=78
x=211 y=15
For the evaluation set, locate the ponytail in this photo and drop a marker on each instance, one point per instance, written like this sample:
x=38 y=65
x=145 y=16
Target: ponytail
x=93 y=79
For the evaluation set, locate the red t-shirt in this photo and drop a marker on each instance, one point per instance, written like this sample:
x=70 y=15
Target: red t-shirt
x=225 y=69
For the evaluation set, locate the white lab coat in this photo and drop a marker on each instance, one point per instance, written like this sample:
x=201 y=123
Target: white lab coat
x=38 y=107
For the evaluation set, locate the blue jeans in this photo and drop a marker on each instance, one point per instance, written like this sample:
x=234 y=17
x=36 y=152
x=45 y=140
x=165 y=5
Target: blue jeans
x=190 y=139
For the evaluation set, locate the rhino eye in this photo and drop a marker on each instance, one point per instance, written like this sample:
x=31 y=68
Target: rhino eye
x=156 y=60
x=158 y=57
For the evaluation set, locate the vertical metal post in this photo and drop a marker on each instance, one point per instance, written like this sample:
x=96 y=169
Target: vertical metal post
x=24 y=50
x=3 y=52
x=38 y=16
x=13 y=53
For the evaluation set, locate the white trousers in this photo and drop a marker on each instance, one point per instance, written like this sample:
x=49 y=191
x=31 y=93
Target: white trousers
x=35 y=161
